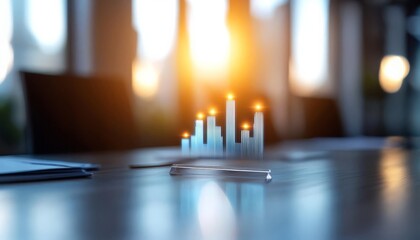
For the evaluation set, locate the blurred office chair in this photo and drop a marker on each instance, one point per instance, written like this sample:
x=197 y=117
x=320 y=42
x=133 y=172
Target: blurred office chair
x=77 y=114
x=322 y=118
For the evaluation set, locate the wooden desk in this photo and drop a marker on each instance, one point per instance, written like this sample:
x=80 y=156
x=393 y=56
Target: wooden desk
x=337 y=195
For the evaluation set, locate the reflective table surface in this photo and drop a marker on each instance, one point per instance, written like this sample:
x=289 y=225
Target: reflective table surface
x=328 y=194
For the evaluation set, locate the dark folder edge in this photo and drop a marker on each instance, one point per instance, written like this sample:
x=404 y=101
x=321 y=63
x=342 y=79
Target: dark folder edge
x=47 y=175
x=44 y=170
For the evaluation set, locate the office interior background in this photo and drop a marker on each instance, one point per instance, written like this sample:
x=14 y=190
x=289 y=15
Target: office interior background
x=322 y=68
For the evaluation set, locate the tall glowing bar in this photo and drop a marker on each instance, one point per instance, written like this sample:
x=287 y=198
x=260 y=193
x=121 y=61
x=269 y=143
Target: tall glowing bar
x=211 y=133
x=230 y=125
x=199 y=132
x=258 y=132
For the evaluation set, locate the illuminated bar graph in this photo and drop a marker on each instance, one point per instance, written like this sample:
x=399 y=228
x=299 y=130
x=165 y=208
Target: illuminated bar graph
x=249 y=147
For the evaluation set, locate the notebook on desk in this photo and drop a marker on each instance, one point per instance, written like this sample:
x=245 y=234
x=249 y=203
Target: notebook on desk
x=24 y=169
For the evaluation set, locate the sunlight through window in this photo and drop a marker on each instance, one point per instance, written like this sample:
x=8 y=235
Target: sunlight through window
x=209 y=36
x=265 y=8
x=6 y=56
x=309 y=61
x=46 y=21
x=156 y=24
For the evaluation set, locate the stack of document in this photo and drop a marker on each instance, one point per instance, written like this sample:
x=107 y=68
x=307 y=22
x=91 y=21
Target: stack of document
x=22 y=169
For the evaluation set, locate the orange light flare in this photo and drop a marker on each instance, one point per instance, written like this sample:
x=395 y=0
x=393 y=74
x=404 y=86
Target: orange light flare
x=230 y=96
x=259 y=107
x=246 y=126
x=212 y=111
x=200 y=115
x=185 y=135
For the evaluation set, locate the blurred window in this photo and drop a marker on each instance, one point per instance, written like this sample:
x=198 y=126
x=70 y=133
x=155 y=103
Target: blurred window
x=209 y=38
x=310 y=48
x=6 y=28
x=156 y=26
x=265 y=8
x=40 y=34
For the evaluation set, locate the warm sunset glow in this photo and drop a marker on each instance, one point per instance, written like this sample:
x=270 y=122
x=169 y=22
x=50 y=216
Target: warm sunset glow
x=212 y=111
x=392 y=72
x=200 y=115
x=185 y=135
x=246 y=126
x=145 y=79
x=230 y=96
x=209 y=37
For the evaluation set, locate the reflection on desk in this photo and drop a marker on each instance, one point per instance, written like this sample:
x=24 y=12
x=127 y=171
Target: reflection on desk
x=359 y=194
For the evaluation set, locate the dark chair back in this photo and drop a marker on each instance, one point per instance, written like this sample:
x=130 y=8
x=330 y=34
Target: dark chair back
x=77 y=114
x=322 y=118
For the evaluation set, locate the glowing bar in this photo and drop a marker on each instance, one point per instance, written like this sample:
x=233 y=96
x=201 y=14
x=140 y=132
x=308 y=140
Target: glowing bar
x=211 y=135
x=244 y=142
x=199 y=135
x=219 y=140
x=185 y=146
x=251 y=148
x=258 y=134
x=237 y=149
x=194 y=149
x=230 y=125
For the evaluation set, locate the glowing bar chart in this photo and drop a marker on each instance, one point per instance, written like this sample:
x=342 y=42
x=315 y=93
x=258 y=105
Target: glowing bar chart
x=248 y=147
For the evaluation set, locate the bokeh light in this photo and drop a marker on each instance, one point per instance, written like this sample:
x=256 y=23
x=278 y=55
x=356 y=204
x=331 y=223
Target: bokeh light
x=392 y=72
x=145 y=79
